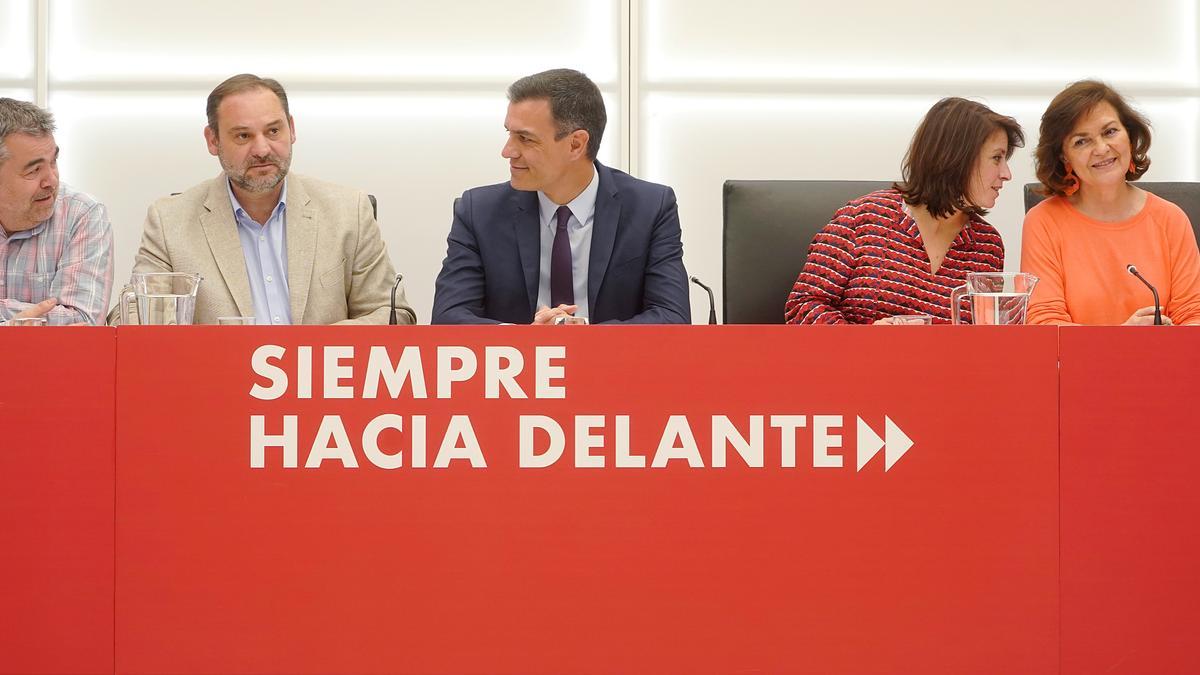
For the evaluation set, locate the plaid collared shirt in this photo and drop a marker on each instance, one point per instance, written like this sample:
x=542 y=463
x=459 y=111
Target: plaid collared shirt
x=68 y=257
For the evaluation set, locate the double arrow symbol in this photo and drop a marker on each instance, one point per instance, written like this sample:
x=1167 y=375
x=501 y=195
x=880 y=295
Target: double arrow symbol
x=869 y=443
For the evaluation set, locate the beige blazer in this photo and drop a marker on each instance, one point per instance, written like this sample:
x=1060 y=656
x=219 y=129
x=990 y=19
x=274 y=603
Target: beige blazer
x=338 y=267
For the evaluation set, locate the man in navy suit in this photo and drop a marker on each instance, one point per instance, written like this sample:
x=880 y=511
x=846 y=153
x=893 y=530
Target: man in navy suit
x=566 y=236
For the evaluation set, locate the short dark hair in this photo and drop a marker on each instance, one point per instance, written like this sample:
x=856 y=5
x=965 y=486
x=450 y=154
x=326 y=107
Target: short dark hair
x=575 y=102
x=236 y=85
x=943 y=156
x=1060 y=118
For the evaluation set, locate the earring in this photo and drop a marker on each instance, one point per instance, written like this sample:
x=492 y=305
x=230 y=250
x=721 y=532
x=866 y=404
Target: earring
x=1072 y=181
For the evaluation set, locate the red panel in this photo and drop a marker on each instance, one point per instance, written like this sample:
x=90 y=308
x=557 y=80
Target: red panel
x=56 y=500
x=947 y=563
x=1130 y=554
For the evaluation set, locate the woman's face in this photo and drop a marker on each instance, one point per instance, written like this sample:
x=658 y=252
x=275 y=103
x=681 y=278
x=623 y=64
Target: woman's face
x=1098 y=148
x=991 y=171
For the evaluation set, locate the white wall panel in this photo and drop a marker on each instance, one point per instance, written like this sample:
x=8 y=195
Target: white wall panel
x=1023 y=41
x=16 y=39
x=126 y=150
x=19 y=94
x=405 y=99
x=773 y=89
x=415 y=153
x=350 y=41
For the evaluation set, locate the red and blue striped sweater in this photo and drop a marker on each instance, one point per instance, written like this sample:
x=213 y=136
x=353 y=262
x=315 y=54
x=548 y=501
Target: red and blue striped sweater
x=869 y=263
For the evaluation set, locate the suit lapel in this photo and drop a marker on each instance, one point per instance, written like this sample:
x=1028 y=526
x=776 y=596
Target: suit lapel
x=220 y=230
x=526 y=222
x=301 y=246
x=604 y=231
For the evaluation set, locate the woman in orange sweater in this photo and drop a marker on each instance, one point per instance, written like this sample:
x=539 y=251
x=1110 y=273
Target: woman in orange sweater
x=1081 y=240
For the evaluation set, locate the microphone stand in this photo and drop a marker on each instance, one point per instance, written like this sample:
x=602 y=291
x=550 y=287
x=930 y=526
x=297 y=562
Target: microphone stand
x=712 y=302
x=392 y=316
x=1132 y=269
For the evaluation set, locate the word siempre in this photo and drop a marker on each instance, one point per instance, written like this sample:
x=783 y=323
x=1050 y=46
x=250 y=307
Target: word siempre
x=501 y=367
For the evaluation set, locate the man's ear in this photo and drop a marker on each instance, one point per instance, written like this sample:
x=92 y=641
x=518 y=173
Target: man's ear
x=210 y=137
x=579 y=143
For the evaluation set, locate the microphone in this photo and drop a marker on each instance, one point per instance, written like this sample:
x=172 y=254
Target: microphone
x=712 y=303
x=1132 y=269
x=392 y=318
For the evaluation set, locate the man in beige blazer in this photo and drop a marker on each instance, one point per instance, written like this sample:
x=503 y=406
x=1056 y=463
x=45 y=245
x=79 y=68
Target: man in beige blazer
x=280 y=247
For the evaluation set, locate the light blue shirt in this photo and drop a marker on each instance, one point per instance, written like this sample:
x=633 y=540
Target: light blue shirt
x=579 y=231
x=265 y=249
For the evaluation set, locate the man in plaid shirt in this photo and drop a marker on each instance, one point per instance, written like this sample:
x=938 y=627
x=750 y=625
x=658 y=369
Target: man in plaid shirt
x=55 y=243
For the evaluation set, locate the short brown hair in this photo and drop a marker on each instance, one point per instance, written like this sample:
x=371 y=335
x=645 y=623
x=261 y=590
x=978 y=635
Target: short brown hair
x=1072 y=103
x=944 y=153
x=236 y=85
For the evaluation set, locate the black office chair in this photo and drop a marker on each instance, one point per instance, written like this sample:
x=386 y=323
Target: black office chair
x=768 y=227
x=1184 y=195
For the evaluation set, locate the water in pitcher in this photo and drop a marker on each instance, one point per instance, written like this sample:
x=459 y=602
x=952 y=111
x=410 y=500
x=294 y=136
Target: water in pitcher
x=998 y=309
x=165 y=309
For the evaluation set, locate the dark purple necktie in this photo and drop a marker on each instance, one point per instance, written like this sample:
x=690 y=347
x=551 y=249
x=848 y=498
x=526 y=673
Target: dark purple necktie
x=562 y=288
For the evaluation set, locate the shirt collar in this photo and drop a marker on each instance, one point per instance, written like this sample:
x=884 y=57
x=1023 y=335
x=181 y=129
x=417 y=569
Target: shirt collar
x=28 y=234
x=581 y=207
x=912 y=230
x=239 y=212
x=968 y=231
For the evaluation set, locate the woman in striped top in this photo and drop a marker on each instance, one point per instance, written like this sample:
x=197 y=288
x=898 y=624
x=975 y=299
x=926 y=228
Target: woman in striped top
x=901 y=251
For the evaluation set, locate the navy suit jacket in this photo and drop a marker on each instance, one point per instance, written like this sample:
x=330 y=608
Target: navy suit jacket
x=635 y=272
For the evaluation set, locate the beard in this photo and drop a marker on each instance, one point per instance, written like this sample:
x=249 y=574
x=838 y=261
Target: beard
x=239 y=174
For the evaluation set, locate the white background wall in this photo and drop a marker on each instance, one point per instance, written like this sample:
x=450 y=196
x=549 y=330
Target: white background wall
x=406 y=99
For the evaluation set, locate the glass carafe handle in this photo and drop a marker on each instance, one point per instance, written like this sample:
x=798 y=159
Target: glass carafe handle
x=128 y=306
x=956 y=298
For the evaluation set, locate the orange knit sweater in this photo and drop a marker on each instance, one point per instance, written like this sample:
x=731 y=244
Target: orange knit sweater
x=1081 y=264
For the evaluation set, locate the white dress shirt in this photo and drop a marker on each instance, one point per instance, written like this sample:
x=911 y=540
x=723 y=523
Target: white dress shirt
x=264 y=245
